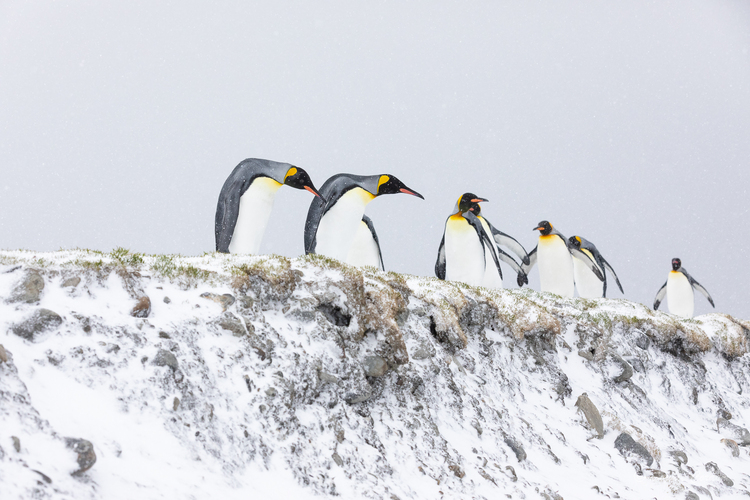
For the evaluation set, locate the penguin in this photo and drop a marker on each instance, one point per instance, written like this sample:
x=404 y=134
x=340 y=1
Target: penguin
x=492 y=278
x=365 y=249
x=679 y=290
x=461 y=255
x=588 y=284
x=333 y=220
x=246 y=200
x=555 y=262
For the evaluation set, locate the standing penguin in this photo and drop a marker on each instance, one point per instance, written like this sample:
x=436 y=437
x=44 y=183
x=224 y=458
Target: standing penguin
x=555 y=262
x=493 y=279
x=461 y=255
x=246 y=200
x=332 y=224
x=365 y=249
x=588 y=283
x=679 y=290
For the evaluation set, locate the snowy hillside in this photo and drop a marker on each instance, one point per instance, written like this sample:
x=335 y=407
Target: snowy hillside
x=126 y=376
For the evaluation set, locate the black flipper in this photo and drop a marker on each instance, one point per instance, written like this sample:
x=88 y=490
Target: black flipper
x=440 y=263
x=526 y=268
x=609 y=268
x=698 y=287
x=371 y=227
x=660 y=295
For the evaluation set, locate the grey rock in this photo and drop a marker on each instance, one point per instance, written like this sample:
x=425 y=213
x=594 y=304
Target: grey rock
x=39 y=322
x=691 y=496
x=643 y=341
x=71 y=282
x=516 y=447
x=142 y=308
x=424 y=351
x=16 y=444
x=679 y=456
x=628 y=447
x=175 y=403
x=586 y=354
x=732 y=431
x=337 y=458
x=722 y=413
x=225 y=300
x=627 y=370
x=593 y=417
x=29 y=290
x=358 y=396
x=3 y=354
x=85 y=451
x=232 y=323
x=714 y=469
x=165 y=358
x=167 y=300
x=732 y=445
x=375 y=366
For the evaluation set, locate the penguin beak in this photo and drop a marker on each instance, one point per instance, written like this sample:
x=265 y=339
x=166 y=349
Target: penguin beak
x=478 y=200
x=540 y=228
x=413 y=193
x=312 y=190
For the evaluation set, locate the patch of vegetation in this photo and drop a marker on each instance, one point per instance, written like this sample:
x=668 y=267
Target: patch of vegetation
x=125 y=258
x=165 y=265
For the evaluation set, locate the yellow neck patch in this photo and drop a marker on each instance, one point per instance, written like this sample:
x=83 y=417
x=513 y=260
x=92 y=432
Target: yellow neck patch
x=290 y=172
x=383 y=180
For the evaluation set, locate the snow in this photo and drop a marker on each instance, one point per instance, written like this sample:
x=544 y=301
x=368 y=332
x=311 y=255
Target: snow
x=265 y=414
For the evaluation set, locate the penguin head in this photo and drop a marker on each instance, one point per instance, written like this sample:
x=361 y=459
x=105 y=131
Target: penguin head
x=544 y=227
x=475 y=209
x=574 y=241
x=466 y=202
x=297 y=178
x=676 y=264
x=389 y=184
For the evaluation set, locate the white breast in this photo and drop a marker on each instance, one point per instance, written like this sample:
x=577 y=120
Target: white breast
x=491 y=277
x=339 y=225
x=680 y=298
x=463 y=252
x=255 y=208
x=555 y=266
x=587 y=284
x=364 y=250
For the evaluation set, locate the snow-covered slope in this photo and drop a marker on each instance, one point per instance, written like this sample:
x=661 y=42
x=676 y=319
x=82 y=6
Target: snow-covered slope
x=263 y=377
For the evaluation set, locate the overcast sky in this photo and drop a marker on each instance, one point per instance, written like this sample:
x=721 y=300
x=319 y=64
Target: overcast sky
x=627 y=123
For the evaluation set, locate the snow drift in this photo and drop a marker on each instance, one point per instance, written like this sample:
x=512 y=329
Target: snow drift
x=131 y=376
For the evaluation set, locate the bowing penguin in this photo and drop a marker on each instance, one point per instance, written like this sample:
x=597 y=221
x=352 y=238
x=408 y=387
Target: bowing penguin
x=461 y=255
x=588 y=283
x=246 y=200
x=492 y=278
x=332 y=224
x=679 y=290
x=555 y=262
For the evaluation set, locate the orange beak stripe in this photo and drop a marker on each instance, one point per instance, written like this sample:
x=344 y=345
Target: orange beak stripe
x=313 y=191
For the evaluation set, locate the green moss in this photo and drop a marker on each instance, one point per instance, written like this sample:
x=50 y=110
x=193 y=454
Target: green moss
x=165 y=265
x=125 y=258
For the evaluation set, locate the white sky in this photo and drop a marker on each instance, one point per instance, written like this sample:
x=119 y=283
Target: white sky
x=626 y=123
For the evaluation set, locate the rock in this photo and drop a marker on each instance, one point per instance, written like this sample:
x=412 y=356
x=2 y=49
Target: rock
x=516 y=447
x=165 y=358
x=337 y=458
x=457 y=471
x=3 y=354
x=679 y=456
x=232 y=323
x=167 y=300
x=85 y=451
x=732 y=445
x=722 y=413
x=713 y=468
x=142 y=308
x=586 y=355
x=732 y=431
x=375 y=366
x=224 y=300
x=627 y=370
x=16 y=444
x=175 y=403
x=691 y=496
x=39 y=322
x=628 y=447
x=71 y=282
x=29 y=290
x=360 y=395
x=593 y=417
x=643 y=341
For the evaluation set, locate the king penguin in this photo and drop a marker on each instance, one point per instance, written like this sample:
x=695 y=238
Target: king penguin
x=679 y=291
x=588 y=282
x=555 y=262
x=492 y=278
x=246 y=200
x=333 y=222
x=365 y=249
x=461 y=255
